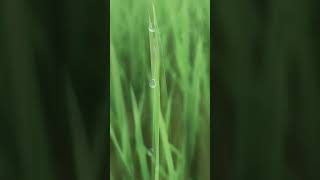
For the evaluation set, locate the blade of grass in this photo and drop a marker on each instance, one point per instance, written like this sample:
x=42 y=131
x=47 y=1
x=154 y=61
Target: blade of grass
x=155 y=91
x=141 y=148
x=120 y=111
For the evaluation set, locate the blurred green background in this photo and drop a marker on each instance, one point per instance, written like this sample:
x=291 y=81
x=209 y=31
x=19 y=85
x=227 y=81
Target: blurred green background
x=267 y=120
x=184 y=28
x=53 y=90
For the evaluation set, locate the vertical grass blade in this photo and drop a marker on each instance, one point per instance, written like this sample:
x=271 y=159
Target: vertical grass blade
x=155 y=91
x=140 y=146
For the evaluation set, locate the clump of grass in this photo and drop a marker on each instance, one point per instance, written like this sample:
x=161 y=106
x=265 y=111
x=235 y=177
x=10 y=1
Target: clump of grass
x=160 y=81
x=159 y=125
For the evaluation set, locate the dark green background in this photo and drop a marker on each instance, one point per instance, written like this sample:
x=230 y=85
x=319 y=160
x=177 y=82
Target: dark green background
x=53 y=89
x=267 y=90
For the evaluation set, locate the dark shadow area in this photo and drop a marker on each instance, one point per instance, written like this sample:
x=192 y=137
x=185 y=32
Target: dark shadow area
x=54 y=90
x=266 y=90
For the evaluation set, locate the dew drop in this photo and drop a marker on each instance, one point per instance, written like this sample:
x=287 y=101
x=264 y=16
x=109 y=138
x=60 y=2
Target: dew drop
x=152 y=83
x=151 y=28
x=150 y=152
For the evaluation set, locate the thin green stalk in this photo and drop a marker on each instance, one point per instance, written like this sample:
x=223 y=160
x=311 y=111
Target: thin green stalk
x=155 y=91
x=141 y=148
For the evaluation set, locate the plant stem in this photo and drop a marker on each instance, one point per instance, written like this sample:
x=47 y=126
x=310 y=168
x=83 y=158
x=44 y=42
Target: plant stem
x=155 y=91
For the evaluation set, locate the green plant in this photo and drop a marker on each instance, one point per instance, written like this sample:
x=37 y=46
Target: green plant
x=155 y=90
x=160 y=117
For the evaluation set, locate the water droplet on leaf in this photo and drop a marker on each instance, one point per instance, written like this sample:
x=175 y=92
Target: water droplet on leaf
x=151 y=28
x=152 y=83
x=150 y=152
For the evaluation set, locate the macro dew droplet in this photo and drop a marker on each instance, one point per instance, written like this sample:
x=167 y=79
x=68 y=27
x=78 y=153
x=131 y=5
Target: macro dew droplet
x=150 y=152
x=152 y=83
x=151 y=28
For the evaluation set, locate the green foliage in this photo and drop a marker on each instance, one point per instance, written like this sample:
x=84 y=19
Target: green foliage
x=160 y=90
